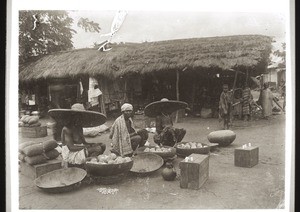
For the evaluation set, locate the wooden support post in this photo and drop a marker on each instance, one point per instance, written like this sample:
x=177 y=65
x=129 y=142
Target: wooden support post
x=125 y=90
x=177 y=93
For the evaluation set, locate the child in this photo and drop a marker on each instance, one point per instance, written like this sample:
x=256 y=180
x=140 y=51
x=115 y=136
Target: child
x=224 y=106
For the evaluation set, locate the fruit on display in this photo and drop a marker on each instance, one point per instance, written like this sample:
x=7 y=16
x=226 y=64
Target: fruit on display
x=29 y=121
x=158 y=149
x=109 y=159
x=191 y=145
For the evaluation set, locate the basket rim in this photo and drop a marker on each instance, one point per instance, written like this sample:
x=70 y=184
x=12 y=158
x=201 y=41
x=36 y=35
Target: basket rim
x=149 y=153
x=84 y=173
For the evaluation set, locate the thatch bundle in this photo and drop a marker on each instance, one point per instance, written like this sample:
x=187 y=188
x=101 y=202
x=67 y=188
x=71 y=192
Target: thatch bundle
x=239 y=52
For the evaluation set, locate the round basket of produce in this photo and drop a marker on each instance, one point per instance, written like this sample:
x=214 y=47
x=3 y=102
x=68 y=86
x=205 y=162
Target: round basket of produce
x=187 y=148
x=222 y=137
x=61 y=180
x=146 y=163
x=108 y=165
x=165 y=152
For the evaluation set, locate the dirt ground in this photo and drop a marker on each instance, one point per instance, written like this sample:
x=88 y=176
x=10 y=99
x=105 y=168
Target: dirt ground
x=228 y=186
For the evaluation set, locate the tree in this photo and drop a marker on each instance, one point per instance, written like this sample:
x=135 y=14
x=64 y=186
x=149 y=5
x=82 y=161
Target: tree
x=281 y=54
x=43 y=32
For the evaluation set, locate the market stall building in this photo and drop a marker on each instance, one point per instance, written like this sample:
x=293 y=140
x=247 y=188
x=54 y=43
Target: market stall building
x=191 y=70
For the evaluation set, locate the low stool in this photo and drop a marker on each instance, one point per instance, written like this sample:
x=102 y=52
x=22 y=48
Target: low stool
x=34 y=171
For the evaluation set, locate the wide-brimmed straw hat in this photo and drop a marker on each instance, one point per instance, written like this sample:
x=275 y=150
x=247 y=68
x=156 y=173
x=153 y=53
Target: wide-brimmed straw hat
x=164 y=105
x=86 y=118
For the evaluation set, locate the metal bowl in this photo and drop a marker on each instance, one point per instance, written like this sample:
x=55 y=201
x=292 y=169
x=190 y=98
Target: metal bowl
x=186 y=152
x=61 y=180
x=164 y=155
x=146 y=163
x=108 y=169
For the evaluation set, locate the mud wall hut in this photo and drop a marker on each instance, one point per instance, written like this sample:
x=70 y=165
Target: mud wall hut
x=144 y=72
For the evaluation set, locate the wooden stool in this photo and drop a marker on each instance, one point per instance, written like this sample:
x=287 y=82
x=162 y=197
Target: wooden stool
x=34 y=171
x=246 y=157
x=194 y=173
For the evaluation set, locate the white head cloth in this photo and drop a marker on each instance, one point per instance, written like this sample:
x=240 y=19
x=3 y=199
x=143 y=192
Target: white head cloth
x=126 y=106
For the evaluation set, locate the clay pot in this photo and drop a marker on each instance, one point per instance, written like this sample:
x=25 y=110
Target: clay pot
x=169 y=172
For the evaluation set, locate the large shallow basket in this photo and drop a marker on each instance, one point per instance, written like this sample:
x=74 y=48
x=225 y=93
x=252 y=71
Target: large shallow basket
x=146 y=163
x=164 y=155
x=186 y=152
x=222 y=137
x=61 y=180
x=105 y=170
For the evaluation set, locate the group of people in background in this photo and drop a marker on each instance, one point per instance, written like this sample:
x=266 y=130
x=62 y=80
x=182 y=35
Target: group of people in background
x=243 y=103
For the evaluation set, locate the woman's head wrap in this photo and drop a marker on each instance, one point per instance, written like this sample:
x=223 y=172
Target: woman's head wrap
x=126 y=106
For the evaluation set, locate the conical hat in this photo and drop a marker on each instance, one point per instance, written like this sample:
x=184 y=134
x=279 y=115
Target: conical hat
x=87 y=118
x=168 y=106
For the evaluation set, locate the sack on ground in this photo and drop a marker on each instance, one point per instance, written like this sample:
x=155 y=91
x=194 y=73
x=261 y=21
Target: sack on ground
x=37 y=159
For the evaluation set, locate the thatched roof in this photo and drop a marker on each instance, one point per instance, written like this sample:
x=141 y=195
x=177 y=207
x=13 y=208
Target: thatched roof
x=239 y=52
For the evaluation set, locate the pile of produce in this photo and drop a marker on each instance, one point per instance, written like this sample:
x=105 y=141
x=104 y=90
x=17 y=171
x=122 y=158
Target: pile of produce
x=37 y=152
x=191 y=145
x=158 y=149
x=109 y=159
x=29 y=121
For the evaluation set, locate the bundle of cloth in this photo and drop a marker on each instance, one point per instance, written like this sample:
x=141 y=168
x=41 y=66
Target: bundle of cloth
x=94 y=131
x=38 y=152
x=29 y=121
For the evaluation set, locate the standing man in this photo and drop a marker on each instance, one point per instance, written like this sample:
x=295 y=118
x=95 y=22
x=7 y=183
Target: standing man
x=225 y=106
x=125 y=139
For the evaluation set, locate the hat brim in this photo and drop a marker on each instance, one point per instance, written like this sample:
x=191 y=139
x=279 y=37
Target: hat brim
x=87 y=118
x=155 y=108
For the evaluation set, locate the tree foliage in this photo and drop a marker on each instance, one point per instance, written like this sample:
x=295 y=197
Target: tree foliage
x=282 y=54
x=43 y=32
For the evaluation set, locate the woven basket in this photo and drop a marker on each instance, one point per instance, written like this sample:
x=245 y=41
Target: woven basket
x=186 y=152
x=105 y=170
x=164 y=155
x=61 y=180
x=145 y=163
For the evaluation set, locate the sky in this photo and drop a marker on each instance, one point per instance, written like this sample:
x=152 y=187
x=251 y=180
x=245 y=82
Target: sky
x=141 y=26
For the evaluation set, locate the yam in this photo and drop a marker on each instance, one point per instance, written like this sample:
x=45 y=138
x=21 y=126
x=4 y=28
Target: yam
x=38 y=124
x=49 y=145
x=28 y=143
x=33 y=120
x=32 y=150
x=52 y=154
x=222 y=137
x=21 y=157
x=26 y=119
x=23 y=117
x=37 y=159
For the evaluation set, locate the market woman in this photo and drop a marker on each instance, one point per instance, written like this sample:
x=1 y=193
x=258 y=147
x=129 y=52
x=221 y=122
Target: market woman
x=166 y=134
x=75 y=149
